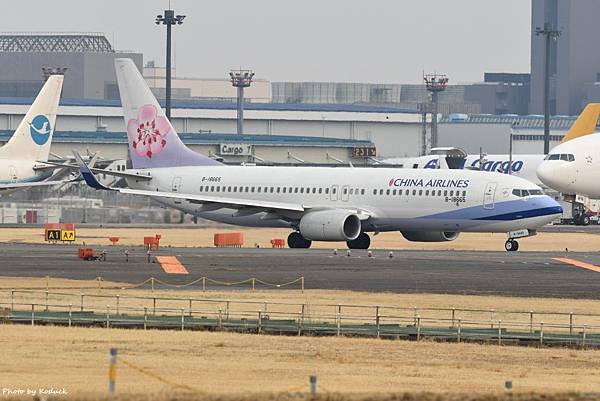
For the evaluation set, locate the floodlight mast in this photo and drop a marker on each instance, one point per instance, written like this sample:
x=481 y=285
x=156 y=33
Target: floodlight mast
x=169 y=18
x=549 y=34
x=435 y=83
x=241 y=79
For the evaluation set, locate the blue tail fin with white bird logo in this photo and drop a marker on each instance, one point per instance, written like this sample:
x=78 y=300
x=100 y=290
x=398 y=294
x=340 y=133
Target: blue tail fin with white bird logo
x=33 y=136
x=152 y=139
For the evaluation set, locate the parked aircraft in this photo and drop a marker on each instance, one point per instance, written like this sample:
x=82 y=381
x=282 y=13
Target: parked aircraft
x=318 y=203
x=573 y=167
x=22 y=157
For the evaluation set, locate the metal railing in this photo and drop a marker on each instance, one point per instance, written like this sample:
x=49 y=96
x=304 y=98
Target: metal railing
x=451 y=324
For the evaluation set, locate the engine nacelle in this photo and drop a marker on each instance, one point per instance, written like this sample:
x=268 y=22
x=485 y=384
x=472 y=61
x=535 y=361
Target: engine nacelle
x=430 y=236
x=330 y=225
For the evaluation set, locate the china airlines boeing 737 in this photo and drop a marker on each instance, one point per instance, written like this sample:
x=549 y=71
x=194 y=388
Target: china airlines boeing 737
x=318 y=203
x=21 y=157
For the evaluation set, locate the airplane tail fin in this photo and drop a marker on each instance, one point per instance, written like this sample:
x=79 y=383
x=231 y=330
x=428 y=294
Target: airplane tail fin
x=585 y=123
x=153 y=141
x=33 y=136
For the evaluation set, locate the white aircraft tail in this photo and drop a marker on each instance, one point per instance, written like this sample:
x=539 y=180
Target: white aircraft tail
x=33 y=137
x=152 y=139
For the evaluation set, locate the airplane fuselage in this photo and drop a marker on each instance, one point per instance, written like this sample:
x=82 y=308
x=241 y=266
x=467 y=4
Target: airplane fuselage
x=390 y=199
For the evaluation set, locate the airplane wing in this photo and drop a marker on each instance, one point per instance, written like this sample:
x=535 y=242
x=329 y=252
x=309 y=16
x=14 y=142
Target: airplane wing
x=23 y=185
x=122 y=174
x=245 y=207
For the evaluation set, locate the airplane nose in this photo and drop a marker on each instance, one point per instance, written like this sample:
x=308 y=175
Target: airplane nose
x=545 y=173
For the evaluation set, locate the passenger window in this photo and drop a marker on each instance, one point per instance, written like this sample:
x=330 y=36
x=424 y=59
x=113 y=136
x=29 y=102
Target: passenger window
x=351 y=191
x=381 y=192
x=345 y=191
x=362 y=191
x=427 y=193
x=451 y=193
x=258 y=189
x=296 y=190
x=326 y=191
x=314 y=190
x=445 y=193
x=334 y=191
x=399 y=192
x=414 y=192
x=464 y=193
x=201 y=188
x=439 y=192
x=278 y=189
x=302 y=190
x=320 y=190
x=374 y=192
x=284 y=188
x=420 y=192
x=394 y=192
x=387 y=192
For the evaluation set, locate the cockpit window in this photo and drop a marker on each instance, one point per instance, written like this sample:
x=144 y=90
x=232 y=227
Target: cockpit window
x=526 y=192
x=568 y=157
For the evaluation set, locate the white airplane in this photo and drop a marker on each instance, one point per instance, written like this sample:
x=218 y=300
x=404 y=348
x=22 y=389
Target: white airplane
x=573 y=167
x=318 y=203
x=22 y=157
x=523 y=166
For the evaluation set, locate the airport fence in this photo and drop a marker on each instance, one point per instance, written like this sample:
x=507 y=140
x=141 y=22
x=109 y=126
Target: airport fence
x=197 y=313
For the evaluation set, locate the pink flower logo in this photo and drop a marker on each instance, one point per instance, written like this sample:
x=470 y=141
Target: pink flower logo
x=147 y=133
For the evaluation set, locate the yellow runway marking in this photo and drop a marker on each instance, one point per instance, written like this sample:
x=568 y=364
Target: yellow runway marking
x=578 y=263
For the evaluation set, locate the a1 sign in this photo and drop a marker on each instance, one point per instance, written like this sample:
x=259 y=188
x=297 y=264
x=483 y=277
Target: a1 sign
x=53 y=235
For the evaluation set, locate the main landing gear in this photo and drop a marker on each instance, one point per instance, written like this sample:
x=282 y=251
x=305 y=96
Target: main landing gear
x=295 y=240
x=361 y=242
x=511 y=245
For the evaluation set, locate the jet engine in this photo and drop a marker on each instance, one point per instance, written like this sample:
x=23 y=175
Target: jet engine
x=430 y=236
x=330 y=225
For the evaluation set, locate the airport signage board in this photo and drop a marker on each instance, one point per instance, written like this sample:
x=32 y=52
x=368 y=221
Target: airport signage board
x=364 y=151
x=235 y=149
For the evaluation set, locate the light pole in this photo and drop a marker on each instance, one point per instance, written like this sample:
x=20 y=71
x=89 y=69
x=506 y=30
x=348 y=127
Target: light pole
x=241 y=79
x=169 y=19
x=549 y=33
x=435 y=83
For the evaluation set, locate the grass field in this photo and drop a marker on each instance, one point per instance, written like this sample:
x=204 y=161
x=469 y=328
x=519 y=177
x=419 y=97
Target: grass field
x=224 y=363
x=203 y=237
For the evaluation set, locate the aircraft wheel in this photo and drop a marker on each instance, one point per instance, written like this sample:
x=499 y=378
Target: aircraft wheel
x=295 y=240
x=363 y=241
x=511 y=245
x=585 y=221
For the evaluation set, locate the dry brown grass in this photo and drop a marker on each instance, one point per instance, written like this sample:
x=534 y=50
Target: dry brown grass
x=203 y=237
x=226 y=363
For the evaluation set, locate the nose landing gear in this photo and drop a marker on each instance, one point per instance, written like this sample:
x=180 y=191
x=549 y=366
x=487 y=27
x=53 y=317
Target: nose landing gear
x=511 y=245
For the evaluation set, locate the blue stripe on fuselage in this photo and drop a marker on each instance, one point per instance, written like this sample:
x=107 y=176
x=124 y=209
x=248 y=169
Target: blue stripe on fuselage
x=503 y=211
x=34 y=178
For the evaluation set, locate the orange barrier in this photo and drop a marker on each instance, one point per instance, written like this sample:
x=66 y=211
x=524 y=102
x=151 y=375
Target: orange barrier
x=235 y=240
x=152 y=242
x=171 y=265
x=277 y=243
x=113 y=240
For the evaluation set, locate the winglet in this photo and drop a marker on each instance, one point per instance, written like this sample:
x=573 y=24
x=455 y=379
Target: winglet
x=585 y=123
x=87 y=174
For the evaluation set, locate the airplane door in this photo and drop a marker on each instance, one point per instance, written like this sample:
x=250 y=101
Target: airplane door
x=13 y=173
x=333 y=193
x=345 y=193
x=489 y=194
x=176 y=184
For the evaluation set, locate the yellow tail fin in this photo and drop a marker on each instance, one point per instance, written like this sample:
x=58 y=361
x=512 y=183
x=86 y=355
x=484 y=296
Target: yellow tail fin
x=585 y=123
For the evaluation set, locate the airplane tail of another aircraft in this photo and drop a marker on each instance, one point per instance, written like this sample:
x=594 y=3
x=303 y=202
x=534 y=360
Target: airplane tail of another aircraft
x=585 y=123
x=153 y=141
x=33 y=137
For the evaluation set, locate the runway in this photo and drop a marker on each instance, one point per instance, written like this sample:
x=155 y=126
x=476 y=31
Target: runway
x=450 y=272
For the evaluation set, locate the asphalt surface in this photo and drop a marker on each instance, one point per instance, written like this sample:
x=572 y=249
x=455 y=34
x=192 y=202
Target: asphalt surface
x=518 y=274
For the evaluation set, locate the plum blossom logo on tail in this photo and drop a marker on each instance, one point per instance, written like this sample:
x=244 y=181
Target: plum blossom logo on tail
x=148 y=133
